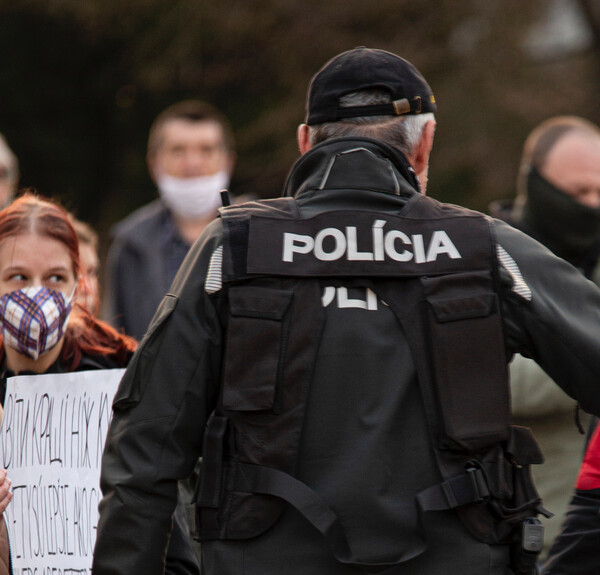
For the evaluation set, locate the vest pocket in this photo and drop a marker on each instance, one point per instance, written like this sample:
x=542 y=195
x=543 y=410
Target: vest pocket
x=469 y=362
x=256 y=342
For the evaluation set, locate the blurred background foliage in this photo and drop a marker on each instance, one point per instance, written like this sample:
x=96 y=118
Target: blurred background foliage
x=83 y=79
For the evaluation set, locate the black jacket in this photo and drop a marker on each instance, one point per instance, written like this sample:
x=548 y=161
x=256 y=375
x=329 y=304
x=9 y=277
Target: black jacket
x=365 y=447
x=136 y=269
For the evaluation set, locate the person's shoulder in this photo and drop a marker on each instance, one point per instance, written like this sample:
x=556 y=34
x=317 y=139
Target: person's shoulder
x=144 y=219
x=502 y=210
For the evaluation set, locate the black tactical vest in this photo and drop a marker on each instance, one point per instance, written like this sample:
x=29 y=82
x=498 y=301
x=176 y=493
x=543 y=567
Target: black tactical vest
x=273 y=261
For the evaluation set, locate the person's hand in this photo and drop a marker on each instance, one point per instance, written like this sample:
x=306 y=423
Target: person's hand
x=5 y=492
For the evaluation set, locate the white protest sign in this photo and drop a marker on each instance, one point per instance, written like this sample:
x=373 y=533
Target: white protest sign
x=51 y=442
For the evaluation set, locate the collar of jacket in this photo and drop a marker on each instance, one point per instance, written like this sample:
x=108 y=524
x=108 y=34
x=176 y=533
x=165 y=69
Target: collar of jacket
x=352 y=163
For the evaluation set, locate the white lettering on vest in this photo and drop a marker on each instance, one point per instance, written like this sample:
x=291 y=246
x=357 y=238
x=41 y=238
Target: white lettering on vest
x=393 y=244
x=441 y=244
x=338 y=250
x=296 y=244
x=343 y=301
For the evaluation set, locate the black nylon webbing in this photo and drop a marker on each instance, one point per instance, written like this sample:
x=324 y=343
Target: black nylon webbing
x=268 y=481
x=469 y=487
x=209 y=492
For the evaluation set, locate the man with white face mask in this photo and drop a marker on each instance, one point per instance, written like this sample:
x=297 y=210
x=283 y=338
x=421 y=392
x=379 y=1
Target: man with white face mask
x=190 y=157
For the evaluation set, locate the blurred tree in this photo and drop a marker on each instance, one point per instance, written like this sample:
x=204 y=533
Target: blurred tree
x=82 y=81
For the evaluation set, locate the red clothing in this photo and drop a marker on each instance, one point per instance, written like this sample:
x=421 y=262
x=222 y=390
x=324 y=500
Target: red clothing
x=589 y=474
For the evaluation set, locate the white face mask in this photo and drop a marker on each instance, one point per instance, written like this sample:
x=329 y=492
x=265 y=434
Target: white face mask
x=193 y=198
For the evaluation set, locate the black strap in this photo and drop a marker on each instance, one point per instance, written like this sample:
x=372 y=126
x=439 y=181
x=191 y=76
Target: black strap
x=469 y=487
x=209 y=487
x=265 y=480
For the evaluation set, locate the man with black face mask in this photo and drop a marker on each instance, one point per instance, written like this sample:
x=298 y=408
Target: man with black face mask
x=558 y=204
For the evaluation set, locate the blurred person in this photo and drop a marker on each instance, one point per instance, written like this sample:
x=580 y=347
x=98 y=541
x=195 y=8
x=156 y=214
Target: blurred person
x=42 y=331
x=575 y=549
x=190 y=158
x=338 y=358
x=558 y=204
x=5 y=498
x=88 y=294
x=9 y=173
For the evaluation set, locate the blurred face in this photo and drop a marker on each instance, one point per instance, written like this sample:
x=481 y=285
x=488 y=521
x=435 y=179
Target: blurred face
x=32 y=260
x=6 y=187
x=89 y=293
x=191 y=149
x=573 y=165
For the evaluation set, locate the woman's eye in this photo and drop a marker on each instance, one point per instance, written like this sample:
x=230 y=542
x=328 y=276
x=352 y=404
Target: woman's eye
x=56 y=278
x=18 y=278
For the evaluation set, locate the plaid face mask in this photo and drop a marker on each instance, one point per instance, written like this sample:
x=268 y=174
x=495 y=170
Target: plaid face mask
x=33 y=319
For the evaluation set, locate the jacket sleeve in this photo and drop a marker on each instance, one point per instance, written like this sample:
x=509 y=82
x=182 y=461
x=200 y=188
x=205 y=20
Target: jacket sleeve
x=160 y=411
x=551 y=314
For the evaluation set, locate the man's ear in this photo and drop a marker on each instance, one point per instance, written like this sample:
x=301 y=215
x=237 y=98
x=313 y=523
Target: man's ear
x=303 y=137
x=420 y=157
x=151 y=163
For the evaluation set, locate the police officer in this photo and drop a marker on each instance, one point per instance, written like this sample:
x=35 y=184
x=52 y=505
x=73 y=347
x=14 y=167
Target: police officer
x=338 y=358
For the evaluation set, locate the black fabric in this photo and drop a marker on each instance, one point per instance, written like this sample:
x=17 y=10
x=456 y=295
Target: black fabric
x=264 y=408
x=467 y=349
x=313 y=171
x=575 y=550
x=461 y=315
x=363 y=69
x=567 y=227
x=263 y=480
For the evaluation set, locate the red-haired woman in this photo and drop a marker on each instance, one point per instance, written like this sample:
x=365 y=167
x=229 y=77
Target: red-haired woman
x=44 y=330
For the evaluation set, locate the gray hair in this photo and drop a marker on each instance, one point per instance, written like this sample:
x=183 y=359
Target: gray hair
x=401 y=132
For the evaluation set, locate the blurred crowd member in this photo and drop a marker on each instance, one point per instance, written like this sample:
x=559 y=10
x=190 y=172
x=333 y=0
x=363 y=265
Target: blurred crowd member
x=9 y=173
x=190 y=158
x=88 y=294
x=39 y=274
x=5 y=498
x=41 y=271
x=558 y=204
x=575 y=549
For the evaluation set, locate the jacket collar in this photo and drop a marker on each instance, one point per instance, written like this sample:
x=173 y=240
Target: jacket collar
x=352 y=163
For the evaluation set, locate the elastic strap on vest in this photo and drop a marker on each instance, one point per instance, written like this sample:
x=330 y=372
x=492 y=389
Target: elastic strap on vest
x=268 y=481
x=209 y=488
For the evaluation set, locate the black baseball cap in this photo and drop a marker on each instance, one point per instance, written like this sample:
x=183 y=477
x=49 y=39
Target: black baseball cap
x=361 y=69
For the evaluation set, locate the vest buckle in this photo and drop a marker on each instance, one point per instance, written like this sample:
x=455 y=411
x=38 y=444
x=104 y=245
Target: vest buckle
x=481 y=492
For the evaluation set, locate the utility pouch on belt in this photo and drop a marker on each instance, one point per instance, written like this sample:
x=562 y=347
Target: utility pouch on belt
x=527 y=547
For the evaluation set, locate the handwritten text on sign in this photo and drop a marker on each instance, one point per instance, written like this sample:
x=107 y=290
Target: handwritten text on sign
x=51 y=443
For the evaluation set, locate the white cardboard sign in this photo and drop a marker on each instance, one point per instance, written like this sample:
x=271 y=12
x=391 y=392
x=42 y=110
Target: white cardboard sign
x=51 y=442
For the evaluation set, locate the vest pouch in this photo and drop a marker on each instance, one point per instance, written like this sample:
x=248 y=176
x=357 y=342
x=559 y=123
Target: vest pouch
x=257 y=336
x=467 y=352
x=513 y=498
x=520 y=453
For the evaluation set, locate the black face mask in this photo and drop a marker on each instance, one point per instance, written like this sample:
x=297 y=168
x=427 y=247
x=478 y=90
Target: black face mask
x=564 y=225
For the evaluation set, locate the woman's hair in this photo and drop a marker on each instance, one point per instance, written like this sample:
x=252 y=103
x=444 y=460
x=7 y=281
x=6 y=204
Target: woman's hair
x=85 y=335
